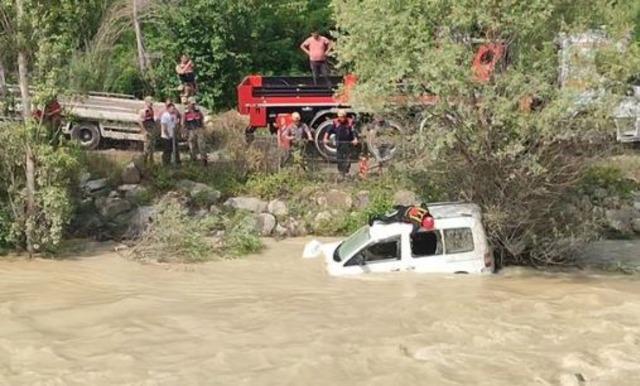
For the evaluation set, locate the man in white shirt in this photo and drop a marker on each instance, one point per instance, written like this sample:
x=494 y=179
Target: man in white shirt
x=168 y=132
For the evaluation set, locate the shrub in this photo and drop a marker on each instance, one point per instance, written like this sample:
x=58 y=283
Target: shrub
x=240 y=236
x=56 y=169
x=219 y=176
x=174 y=236
x=287 y=182
x=610 y=178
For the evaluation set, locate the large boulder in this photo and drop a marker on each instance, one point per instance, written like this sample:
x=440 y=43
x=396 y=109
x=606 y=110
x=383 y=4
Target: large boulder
x=405 y=197
x=335 y=199
x=136 y=194
x=131 y=174
x=251 y=204
x=199 y=193
x=138 y=161
x=621 y=220
x=280 y=231
x=635 y=225
x=95 y=186
x=140 y=220
x=295 y=227
x=265 y=224
x=278 y=208
x=321 y=220
x=114 y=206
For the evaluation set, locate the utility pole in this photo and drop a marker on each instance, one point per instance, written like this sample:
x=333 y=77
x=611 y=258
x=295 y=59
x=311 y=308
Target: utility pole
x=30 y=169
x=3 y=81
x=142 y=59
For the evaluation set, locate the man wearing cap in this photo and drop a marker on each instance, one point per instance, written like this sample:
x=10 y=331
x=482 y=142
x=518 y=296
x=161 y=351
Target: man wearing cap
x=345 y=137
x=169 y=134
x=318 y=47
x=297 y=134
x=147 y=122
x=193 y=122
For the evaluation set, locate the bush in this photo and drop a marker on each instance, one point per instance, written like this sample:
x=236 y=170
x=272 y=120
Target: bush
x=287 y=182
x=56 y=170
x=219 y=176
x=240 y=236
x=610 y=178
x=175 y=236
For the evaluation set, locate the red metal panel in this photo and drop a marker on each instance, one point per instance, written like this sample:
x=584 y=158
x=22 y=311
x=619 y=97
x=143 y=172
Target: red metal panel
x=258 y=107
x=257 y=116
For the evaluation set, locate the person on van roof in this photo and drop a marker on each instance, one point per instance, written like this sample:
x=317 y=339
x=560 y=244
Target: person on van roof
x=418 y=216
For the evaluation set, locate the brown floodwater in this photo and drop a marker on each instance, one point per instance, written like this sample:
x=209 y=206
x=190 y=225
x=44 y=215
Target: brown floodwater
x=276 y=319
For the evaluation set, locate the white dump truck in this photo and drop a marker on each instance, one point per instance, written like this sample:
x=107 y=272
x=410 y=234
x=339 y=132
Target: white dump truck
x=91 y=118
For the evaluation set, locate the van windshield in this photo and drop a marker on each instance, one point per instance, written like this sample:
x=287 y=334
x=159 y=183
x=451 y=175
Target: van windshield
x=354 y=243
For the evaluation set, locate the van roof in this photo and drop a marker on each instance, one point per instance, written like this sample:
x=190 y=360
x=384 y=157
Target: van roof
x=451 y=214
x=454 y=209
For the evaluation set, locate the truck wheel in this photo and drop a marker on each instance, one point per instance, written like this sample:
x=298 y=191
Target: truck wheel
x=87 y=135
x=327 y=150
x=384 y=143
x=249 y=134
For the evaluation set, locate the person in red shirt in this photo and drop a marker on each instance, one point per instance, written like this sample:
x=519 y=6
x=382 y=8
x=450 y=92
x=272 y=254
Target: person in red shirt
x=318 y=47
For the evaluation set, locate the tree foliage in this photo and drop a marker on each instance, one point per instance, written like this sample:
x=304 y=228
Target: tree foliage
x=482 y=145
x=228 y=39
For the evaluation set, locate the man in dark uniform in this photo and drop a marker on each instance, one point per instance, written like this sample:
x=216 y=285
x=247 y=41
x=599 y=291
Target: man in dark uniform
x=345 y=137
x=149 y=128
x=418 y=216
x=193 y=122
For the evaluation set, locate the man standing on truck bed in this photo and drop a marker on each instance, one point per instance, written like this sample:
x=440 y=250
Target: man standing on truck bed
x=147 y=124
x=187 y=75
x=193 y=122
x=317 y=47
x=345 y=137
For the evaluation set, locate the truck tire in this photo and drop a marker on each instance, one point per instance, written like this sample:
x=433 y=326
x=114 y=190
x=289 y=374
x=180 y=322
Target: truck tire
x=327 y=150
x=384 y=146
x=87 y=134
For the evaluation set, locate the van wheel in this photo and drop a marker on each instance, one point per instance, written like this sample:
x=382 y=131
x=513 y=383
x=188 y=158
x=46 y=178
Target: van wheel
x=87 y=135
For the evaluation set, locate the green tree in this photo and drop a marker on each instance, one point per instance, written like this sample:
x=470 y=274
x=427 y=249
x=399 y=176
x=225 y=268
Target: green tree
x=228 y=39
x=36 y=172
x=521 y=166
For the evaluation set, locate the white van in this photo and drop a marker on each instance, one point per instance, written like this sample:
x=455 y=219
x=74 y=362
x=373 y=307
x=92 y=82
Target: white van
x=457 y=244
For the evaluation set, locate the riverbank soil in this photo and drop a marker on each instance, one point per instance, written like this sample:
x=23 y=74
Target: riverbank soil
x=276 y=319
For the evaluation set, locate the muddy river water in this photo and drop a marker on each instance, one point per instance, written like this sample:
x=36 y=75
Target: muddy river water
x=276 y=319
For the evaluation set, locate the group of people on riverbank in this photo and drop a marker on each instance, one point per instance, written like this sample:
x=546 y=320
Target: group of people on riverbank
x=164 y=128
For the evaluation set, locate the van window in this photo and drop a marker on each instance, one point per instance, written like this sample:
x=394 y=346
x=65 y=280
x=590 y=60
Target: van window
x=387 y=250
x=424 y=244
x=458 y=240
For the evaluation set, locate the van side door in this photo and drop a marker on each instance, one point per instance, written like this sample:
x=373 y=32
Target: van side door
x=426 y=252
x=379 y=256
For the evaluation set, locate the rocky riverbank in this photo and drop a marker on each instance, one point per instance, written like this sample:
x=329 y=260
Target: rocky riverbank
x=121 y=208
